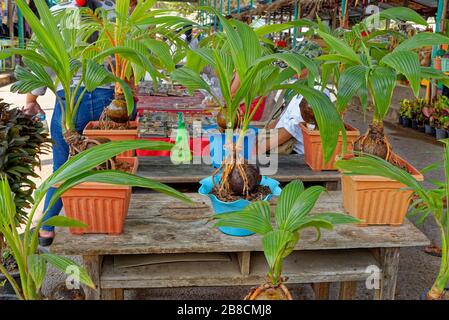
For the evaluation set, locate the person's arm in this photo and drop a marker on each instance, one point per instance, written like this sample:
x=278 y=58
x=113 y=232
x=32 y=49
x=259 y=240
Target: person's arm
x=283 y=137
x=235 y=85
x=32 y=107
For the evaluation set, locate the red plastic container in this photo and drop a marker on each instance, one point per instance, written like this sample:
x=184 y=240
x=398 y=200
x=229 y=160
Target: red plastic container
x=163 y=153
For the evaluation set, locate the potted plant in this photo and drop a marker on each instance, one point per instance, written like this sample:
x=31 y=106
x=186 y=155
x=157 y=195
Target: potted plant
x=292 y=215
x=374 y=78
x=426 y=202
x=58 y=46
x=406 y=112
x=22 y=141
x=76 y=171
x=241 y=54
x=102 y=203
x=140 y=29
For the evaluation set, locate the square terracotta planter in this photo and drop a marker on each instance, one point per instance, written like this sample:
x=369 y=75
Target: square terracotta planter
x=377 y=200
x=114 y=135
x=313 y=147
x=103 y=207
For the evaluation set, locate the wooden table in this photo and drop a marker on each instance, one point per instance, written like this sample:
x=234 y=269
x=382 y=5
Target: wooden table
x=290 y=167
x=159 y=227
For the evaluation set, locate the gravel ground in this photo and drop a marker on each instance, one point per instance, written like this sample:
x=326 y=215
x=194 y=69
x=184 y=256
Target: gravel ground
x=417 y=269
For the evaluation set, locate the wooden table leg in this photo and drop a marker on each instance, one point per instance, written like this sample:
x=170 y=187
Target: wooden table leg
x=348 y=290
x=112 y=294
x=92 y=264
x=321 y=290
x=389 y=261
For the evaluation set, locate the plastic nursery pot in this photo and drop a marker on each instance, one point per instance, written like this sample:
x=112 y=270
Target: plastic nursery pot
x=313 y=147
x=440 y=133
x=6 y=291
x=429 y=129
x=217 y=141
x=406 y=122
x=114 y=135
x=101 y=206
x=377 y=200
x=220 y=207
x=421 y=128
x=414 y=124
x=400 y=120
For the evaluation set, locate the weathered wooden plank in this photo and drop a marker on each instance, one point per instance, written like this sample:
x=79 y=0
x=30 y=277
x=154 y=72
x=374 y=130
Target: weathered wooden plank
x=112 y=294
x=321 y=290
x=244 y=262
x=389 y=261
x=299 y=267
x=159 y=224
x=348 y=290
x=93 y=264
x=290 y=167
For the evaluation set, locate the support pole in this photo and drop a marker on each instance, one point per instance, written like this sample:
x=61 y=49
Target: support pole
x=20 y=28
x=215 y=16
x=229 y=7
x=295 y=31
x=238 y=6
x=221 y=12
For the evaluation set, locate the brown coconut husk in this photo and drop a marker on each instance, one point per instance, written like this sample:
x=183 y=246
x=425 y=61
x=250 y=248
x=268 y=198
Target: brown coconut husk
x=374 y=142
x=269 y=291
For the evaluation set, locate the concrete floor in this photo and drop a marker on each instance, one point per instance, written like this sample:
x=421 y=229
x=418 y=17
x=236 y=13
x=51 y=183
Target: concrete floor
x=417 y=269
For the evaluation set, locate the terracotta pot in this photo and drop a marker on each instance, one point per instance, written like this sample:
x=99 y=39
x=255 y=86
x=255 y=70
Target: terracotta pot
x=114 y=135
x=377 y=200
x=103 y=207
x=313 y=148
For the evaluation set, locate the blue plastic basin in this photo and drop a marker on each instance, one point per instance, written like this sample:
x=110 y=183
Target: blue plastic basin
x=220 y=207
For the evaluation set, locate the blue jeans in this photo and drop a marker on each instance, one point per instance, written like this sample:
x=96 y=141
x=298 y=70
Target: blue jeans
x=90 y=109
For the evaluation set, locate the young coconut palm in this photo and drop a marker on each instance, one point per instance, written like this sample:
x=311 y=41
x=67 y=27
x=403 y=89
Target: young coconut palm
x=427 y=201
x=57 y=47
x=141 y=29
x=32 y=264
x=241 y=54
x=363 y=72
x=292 y=215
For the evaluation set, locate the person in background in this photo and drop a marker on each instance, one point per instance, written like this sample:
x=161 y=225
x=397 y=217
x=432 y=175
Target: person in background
x=90 y=109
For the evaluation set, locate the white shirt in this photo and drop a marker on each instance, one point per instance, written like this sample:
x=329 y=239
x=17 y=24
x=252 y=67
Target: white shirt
x=290 y=120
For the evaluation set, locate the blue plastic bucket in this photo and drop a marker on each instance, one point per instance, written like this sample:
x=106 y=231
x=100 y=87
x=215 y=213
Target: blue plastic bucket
x=220 y=207
x=217 y=140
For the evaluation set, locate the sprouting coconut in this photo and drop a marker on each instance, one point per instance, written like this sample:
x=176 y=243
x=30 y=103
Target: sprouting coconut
x=374 y=142
x=279 y=239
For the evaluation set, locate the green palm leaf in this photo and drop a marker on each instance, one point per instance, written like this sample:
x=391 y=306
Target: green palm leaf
x=287 y=199
x=37 y=267
x=67 y=266
x=406 y=63
x=382 y=82
x=340 y=47
x=351 y=81
x=421 y=40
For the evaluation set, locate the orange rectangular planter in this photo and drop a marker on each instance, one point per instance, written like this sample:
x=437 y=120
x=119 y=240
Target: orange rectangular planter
x=377 y=200
x=103 y=207
x=114 y=135
x=313 y=147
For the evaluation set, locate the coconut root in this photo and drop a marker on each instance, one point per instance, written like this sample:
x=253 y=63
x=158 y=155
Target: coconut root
x=79 y=143
x=374 y=142
x=268 y=291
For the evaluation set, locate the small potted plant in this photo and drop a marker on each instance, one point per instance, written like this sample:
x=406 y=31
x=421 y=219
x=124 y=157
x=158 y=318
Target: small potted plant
x=236 y=183
x=426 y=202
x=119 y=39
x=378 y=198
x=279 y=239
x=406 y=112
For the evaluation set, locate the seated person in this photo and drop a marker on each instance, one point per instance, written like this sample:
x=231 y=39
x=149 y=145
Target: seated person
x=289 y=135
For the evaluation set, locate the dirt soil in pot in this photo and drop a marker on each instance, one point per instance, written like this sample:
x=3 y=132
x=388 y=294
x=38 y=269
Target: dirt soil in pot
x=259 y=193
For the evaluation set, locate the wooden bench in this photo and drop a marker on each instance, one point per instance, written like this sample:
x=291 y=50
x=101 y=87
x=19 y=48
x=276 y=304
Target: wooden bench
x=161 y=228
x=290 y=167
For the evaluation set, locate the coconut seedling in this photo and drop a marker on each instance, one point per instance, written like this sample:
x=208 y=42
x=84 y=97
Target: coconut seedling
x=238 y=51
x=428 y=202
x=291 y=216
x=58 y=47
x=151 y=32
x=373 y=77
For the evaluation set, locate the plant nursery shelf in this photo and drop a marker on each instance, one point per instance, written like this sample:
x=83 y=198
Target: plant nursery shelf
x=300 y=267
x=160 y=228
x=290 y=167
